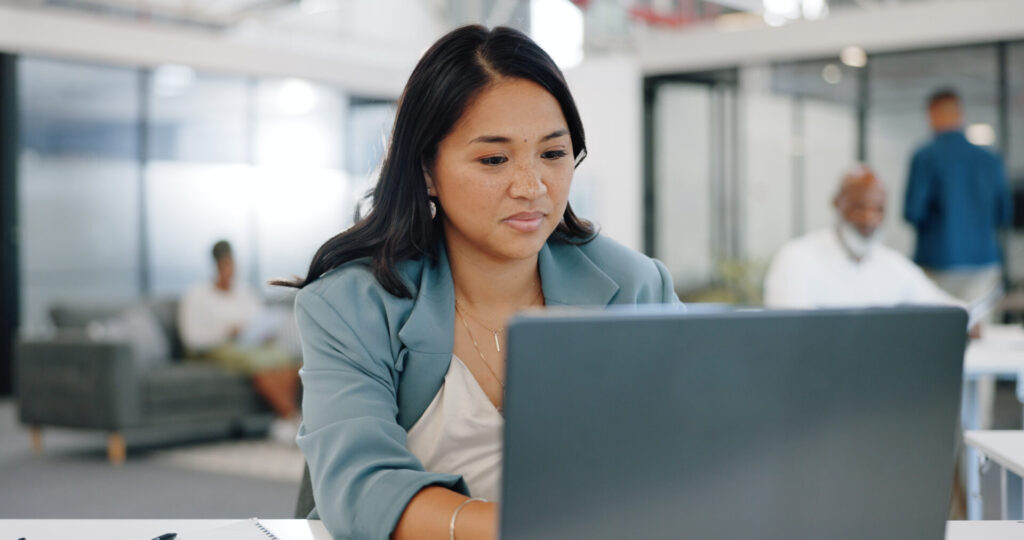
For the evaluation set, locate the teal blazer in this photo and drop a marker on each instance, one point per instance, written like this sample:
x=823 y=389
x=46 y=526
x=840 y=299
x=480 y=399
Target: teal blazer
x=372 y=363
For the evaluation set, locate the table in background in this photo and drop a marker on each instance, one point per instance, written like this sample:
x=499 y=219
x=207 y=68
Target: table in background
x=998 y=354
x=1005 y=448
x=145 y=529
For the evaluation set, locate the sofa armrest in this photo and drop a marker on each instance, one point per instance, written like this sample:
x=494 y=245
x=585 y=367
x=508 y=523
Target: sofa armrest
x=75 y=382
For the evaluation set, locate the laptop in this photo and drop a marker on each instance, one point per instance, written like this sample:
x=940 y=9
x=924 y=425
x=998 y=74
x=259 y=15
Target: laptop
x=656 y=423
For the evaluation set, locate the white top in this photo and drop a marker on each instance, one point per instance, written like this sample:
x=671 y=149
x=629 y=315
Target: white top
x=815 y=271
x=461 y=433
x=207 y=314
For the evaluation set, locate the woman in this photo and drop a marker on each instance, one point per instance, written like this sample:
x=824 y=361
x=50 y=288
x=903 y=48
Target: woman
x=402 y=315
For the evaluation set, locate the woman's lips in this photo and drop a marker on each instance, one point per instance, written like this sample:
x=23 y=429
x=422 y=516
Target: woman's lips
x=525 y=221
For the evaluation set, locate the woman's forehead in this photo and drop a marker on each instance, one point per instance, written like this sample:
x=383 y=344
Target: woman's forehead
x=511 y=108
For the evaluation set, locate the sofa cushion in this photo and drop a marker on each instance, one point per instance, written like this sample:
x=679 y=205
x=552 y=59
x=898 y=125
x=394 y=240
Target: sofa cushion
x=195 y=390
x=139 y=328
x=166 y=312
x=78 y=316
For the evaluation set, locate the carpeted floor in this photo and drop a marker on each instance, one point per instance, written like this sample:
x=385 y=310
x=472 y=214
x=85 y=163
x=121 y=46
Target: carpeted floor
x=252 y=458
x=212 y=479
x=72 y=479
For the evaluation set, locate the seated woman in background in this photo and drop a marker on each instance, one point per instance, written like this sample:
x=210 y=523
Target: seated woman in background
x=402 y=315
x=225 y=323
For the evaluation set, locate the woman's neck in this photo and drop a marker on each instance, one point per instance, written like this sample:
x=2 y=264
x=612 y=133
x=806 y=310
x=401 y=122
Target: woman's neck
x=485 y=285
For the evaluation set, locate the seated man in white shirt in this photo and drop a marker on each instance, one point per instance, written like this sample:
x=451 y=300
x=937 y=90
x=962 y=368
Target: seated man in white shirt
x=225 y=323
x=846 y=265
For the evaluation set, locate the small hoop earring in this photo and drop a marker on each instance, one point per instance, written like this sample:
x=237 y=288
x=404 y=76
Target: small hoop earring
x=433 y=209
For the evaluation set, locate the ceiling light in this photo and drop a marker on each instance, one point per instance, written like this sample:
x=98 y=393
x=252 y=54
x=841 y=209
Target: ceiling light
x=854 y=56
x=557 y=26
x=814 y=9
x=981 y=134
x=832 y=74
x=172 y=80
x=296 y=97
x=789 y=9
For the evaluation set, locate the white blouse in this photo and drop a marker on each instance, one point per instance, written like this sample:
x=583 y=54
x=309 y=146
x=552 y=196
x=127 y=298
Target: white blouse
x=461 y=433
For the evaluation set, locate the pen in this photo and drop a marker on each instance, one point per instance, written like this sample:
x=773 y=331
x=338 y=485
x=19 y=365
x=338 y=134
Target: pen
x=168 y=536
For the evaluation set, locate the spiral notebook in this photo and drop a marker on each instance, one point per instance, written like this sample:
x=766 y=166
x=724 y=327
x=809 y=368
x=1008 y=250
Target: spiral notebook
x=249 y=529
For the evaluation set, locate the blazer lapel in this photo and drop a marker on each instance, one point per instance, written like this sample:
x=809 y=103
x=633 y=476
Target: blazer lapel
x=427 y=336
x=570 y=278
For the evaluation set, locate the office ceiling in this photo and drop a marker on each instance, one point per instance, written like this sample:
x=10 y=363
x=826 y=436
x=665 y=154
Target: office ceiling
x=394 y=31
x=343 y=16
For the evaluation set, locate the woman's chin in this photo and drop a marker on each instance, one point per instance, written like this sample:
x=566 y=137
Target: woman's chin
x=522 y=245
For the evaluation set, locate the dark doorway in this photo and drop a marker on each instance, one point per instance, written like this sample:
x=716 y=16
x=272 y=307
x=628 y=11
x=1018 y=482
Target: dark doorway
x=8 y=220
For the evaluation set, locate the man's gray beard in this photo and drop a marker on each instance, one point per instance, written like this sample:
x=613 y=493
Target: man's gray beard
x=859 y=245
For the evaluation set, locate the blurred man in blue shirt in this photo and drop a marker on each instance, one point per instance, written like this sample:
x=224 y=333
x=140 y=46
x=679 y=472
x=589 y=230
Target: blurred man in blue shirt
x=957 y=198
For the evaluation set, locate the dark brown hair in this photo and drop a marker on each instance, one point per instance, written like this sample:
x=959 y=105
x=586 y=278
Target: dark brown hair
x=941 y=95
x=221 y=249
x=451 y=73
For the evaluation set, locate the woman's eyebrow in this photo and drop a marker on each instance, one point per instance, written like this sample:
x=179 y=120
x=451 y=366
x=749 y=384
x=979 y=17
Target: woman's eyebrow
x=503 y=139
x=555 y=135
x=491 y=139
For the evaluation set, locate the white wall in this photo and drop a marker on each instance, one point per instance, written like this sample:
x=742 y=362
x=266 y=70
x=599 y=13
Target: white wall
x=608 y=186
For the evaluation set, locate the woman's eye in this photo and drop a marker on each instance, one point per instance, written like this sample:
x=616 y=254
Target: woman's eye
x=554 y=154
x=494 y=160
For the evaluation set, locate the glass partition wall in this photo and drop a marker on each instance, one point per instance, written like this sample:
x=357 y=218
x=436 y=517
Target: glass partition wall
x=796 y=127
x=78 y=188
x=128 y=176
x=690 y=190
x=1012 y=102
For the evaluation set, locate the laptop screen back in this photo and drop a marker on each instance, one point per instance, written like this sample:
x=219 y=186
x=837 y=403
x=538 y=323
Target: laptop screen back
x=772 y=425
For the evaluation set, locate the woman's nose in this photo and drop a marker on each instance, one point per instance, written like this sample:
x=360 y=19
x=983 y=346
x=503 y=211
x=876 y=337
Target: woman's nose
x=527 y=181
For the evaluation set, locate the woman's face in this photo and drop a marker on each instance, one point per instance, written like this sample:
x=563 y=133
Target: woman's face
x=503 y=173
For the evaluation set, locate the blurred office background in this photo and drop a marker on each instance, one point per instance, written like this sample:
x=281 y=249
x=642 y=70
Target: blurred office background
x=135 y=133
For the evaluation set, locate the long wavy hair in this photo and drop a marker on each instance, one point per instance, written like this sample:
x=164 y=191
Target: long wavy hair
x=451 y=73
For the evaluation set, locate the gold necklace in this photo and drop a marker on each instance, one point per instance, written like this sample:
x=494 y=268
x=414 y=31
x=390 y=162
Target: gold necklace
x=461 y=310
x=477 y=347
x=497 y=344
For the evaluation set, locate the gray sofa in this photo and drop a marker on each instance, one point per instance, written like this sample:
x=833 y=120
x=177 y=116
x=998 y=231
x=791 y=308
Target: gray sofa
x=132 y=379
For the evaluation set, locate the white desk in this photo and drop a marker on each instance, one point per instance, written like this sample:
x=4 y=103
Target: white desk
x=145 y=529
x=978 y=530
x=299 y=529
x=998 y=354
x=1005 y=448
